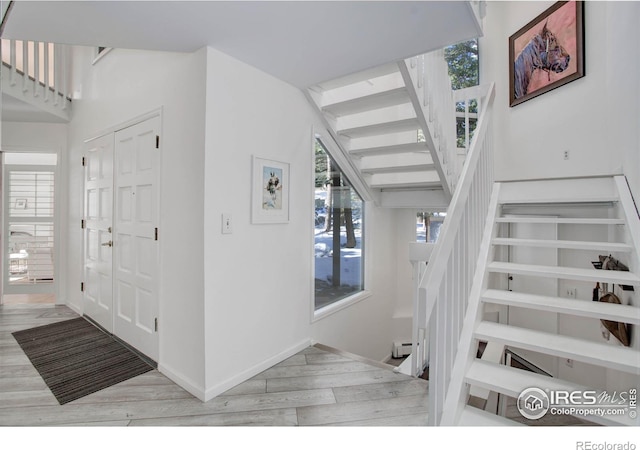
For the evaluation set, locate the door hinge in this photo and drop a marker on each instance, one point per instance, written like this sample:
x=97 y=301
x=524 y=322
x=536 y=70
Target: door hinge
x=156 y=234
x=157 y=141
x=155 y=324
x=83 y=224
x=82 y=287
x=84 y=161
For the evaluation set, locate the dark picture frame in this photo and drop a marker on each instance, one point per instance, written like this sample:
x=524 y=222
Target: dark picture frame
x=547 y=53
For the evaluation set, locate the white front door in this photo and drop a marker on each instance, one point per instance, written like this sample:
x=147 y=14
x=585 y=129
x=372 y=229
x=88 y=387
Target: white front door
x=135 y=237
x=98 y=213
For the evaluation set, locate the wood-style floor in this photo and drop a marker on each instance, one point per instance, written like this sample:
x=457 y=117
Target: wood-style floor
x=314 y=387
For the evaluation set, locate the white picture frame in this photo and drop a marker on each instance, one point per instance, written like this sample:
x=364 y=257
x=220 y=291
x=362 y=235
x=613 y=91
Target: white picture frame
x=269 y=191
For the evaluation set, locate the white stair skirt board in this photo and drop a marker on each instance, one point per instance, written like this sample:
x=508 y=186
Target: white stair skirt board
x=566 y=273
x=511 y=382
x=611 y=357
x=594 y=310
x=474 y=417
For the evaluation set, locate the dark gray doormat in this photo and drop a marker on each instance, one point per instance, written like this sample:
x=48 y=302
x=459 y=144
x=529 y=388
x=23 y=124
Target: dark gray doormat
x=75 y=358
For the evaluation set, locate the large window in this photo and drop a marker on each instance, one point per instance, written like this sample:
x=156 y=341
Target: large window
x=338 y=244
x=464 y=71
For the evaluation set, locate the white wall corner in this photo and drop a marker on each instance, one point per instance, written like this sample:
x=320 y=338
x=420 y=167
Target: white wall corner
x=235 y=380
x=184 y=382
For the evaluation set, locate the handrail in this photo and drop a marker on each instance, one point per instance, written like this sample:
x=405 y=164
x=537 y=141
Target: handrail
x=445 y=287
x=41 y=68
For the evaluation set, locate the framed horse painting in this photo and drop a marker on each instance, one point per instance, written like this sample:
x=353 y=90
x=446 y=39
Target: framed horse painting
x=547 y=53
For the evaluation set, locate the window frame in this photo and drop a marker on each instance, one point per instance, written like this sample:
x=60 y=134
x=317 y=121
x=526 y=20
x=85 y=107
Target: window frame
x=355 y=183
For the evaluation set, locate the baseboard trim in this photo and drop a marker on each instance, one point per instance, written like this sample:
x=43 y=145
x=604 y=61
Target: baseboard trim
x=185 y=383
x=255 y=370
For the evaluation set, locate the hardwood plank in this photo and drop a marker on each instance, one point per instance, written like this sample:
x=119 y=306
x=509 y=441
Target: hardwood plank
x=18 y=384
x=314 y=369
x=331 y=380
x=295 y=360
x=323 y=358
x=90 y=413
x=152 y=378
x=248 y=387
x=358 y=411
x=119 y=393
x=14 y=371
x=274 y=417
x=381 y=390
x=21 y=399
x=412 y=420
x=14 y=359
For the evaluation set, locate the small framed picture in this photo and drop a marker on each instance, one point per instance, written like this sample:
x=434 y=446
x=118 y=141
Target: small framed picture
x=21 y=203
x=270 y=191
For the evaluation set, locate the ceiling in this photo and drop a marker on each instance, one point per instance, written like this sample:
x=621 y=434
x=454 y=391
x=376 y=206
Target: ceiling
x=300 y=42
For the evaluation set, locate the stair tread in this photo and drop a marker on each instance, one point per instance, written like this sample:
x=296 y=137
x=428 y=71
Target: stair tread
x=400 y=169
x=395 y=126
x=576 y=245
x=612 y=357
x=390 y=149
x=573 y=273
x=595 y=310
x=474 y=417
x=561 y=220
x=414 y=185
x=369 y=102
x=511 y=382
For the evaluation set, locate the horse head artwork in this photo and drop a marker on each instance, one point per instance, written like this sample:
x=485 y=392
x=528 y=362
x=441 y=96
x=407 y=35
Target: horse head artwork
x=542 y=52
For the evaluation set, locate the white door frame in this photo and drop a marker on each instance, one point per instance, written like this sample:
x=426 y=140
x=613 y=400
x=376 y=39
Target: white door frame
x=55 y=287
x=112 y=130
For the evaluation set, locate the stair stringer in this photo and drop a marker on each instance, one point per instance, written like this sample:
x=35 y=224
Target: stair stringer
x=341 y=154
x=632 y=220
x=426 y=129
x=458 y=390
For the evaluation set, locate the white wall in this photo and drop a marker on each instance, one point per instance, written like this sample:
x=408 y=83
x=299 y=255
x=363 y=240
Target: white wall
x=590 y=117
x=243 y=298
x=45 y=137
x=259 y=279
x=123 y=85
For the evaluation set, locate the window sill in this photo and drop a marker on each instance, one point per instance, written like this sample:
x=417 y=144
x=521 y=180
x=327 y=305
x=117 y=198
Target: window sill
x=339 y=305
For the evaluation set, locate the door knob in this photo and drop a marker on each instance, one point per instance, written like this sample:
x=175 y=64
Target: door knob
x=108 y=244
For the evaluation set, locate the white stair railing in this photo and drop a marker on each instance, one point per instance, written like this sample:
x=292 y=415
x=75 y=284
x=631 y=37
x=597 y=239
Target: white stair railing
x=419 y=255
x=37 y=70
x=429 y=76
x=445 y=287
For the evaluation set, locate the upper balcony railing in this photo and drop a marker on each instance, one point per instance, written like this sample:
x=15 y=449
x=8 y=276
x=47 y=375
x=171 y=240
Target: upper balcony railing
x=39 y=70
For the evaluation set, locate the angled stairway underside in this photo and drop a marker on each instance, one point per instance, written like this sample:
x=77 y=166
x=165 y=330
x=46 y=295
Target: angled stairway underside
x=536 y=297
x=378 y=120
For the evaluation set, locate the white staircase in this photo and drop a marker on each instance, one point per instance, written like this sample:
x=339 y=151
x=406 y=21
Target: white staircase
x=590 y=217
x=396 y=125
x=35 y=81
